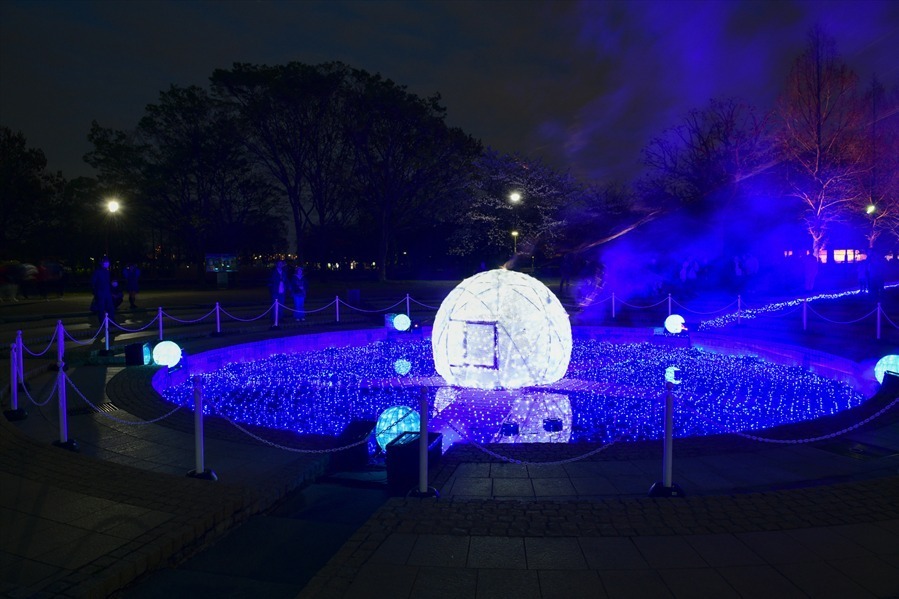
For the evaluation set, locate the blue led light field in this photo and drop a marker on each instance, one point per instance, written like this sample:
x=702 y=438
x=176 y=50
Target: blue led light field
x=611 y=391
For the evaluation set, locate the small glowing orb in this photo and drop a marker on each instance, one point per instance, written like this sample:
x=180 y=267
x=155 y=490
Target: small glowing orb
x=402 y=366
x=884 y=365
x=395 y=421
x=401 y=322
x=167 y=353
x=671 y=375
x=674 y=324
x=501 y=329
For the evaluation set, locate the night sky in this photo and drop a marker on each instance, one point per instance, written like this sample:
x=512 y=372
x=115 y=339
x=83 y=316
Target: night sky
x=583 y=85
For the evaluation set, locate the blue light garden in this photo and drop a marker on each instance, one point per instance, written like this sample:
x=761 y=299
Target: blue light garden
x=611 y=392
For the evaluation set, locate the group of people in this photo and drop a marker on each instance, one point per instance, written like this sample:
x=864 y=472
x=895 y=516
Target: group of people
x=108 y=295
x=281 y=282
x=17 y=278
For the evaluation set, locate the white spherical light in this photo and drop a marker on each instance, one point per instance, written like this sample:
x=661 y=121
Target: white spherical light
x=674 y=324
x=401 y=322
x=501 y=329
x=167 y=353
x=886 y=364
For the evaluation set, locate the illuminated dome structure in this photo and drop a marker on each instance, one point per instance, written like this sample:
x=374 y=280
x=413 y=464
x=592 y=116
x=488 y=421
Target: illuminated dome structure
x=501 y=329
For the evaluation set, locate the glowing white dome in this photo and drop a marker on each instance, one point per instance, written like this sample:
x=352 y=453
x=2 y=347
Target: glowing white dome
x=501 y=329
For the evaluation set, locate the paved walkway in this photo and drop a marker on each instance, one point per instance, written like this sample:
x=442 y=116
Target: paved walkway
x=818 y=520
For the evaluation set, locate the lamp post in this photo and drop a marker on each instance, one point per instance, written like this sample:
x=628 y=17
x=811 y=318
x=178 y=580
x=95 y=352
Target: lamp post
x=112 y=206
x=871 y=211
x=515 y=198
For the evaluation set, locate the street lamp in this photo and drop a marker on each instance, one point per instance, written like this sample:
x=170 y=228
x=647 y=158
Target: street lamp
x=112 y=206
x=515 y=198
x=871 y=211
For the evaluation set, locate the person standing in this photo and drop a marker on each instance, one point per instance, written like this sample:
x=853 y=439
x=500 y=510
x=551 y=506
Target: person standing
x=132 y=275
x=298 y=290
x=101 y=285
x=277 y=284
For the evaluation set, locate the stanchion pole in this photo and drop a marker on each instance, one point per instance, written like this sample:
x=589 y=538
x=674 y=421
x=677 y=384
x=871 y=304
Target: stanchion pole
x=878 y=320
x=199 y=470
x=106 y=331
x=218 y=320
x=21 y=359
x=613 y=305
x=667 y=452
x=669 y=304
x=60 y=342
x=277 y=312
x=408 y=311
x=739 y=310
x=337 y=307
x=14 y=412
x=667 y=488
x=159 y=316
x=199 y=454
x=275 y=319
x=13 y=377
x=423 y=489
x=64 y=440
x=804 y=314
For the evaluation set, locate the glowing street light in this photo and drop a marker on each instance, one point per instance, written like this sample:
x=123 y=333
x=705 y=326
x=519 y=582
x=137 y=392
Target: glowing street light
x=514 y=242
x=112 y=207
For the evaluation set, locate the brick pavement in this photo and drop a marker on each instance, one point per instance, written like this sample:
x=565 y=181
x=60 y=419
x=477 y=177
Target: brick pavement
x=77 y=526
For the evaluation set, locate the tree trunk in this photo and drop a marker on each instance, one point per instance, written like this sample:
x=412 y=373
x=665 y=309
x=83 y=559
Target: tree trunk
x=383 y=246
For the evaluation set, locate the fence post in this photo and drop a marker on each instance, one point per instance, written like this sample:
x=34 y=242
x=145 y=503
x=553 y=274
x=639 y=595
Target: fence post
x=804 y=314
x=613 y=305
x=13 y=377
x=218 y=319
x=20 y=356
x=199 y=470
x=423 y=490
x=667 y=488
x=105 y=351
x=408 y=311
x=14 y=412
x=739 y=310
x=159 y=316
x=337 y=307
x=878 y=320
x=64 y=440
x=275 y=307
x=60 y=342
x=669 y=304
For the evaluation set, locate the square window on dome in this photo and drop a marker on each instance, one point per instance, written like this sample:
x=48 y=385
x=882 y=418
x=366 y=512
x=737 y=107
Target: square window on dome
x=478 y=344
